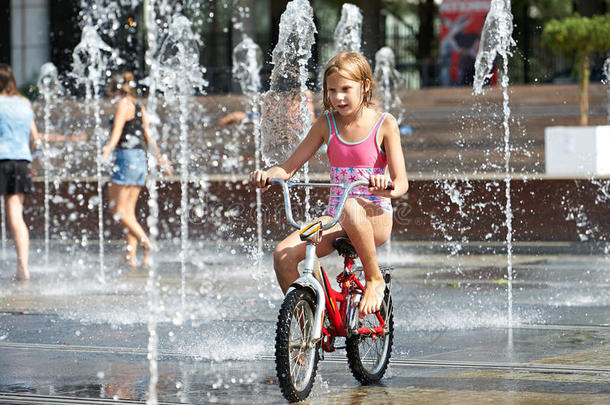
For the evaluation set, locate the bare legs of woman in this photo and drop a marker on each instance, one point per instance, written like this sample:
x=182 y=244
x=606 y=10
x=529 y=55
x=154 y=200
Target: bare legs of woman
x=367 y=226
x=123 y=199
x=21 y=235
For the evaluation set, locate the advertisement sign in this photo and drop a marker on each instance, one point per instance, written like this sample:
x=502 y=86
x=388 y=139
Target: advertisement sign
x=461 y=25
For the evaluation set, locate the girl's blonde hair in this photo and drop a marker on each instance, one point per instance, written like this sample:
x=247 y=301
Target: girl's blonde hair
x=8 y=85
x=352 y=66
x=124 y=83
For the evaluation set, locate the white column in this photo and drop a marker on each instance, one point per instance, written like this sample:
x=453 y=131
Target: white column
x=29 y=38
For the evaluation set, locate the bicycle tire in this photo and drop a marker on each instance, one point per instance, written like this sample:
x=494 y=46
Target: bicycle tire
x=368 y=361
x=293 y=332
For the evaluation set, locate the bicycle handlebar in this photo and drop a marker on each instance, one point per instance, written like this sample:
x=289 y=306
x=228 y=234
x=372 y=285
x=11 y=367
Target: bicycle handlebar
x=346 y=189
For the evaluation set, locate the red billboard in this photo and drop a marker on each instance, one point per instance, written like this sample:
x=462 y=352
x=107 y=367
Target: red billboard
x=461 y=25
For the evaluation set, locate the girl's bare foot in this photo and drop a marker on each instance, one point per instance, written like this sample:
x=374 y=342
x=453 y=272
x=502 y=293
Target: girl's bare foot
x=148 y=247
x=146 y=258
x=130 y=261
x=372 y=297
x=22 y=275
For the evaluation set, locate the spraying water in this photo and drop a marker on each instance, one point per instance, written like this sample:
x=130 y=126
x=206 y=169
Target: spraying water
x=151 y=183
x=247 y=62
x=90 y=60
x=348 y=32
x=3 y=227
x=496 y=40
x=180 y=76
x=50 y=87
x=607 y=82
x=286 y=115
x=388 y=81
x=286 y=118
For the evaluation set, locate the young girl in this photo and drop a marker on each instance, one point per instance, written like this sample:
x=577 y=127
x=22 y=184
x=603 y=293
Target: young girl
x=18 y=133
x=129 y=139
x=362 y=144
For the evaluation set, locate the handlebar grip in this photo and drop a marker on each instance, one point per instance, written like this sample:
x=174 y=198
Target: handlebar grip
x=390 y=186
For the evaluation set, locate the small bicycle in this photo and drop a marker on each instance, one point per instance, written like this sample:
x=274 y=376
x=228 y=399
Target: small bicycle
x=314 y=314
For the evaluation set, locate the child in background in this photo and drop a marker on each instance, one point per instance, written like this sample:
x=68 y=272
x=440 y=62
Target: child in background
x=18 y=134
x=129 y=140
x=362 y=144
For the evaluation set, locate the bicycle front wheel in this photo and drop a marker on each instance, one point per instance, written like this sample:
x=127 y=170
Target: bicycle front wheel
x=368 y=354
x=296 y=356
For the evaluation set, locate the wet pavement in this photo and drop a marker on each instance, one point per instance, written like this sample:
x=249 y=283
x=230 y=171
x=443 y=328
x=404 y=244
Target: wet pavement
x=79 y=334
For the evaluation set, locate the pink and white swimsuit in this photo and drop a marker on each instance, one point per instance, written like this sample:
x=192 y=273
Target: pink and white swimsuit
x=351 y=161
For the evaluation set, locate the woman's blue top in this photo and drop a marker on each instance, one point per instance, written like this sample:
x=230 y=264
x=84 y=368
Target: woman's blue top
x=16 y=115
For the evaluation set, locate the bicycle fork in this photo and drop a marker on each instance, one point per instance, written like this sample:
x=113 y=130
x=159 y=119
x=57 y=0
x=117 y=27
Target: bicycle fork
x=309 y=280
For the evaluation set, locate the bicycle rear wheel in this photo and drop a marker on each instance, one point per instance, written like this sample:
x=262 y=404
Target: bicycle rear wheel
x=296 y=357
x=368 y=355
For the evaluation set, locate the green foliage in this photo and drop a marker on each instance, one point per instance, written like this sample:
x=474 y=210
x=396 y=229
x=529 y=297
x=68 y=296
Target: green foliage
x=544 y=10
x=578 y=36
x=29 y=90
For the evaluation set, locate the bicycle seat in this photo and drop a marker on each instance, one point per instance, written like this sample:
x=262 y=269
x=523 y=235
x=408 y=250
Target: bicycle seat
x=345 y=248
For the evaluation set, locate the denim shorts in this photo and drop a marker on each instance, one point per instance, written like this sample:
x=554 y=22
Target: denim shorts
x=130 y=167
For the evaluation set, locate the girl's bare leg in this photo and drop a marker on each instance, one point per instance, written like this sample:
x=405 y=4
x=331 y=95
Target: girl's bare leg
x=132 y=248
x=21 y=235
x=291 y=251
x=367 y=226
x=123 y=202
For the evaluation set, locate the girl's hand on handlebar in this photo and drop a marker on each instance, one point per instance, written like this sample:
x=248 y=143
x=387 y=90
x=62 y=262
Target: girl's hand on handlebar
x=380 y=185
x=259 y=179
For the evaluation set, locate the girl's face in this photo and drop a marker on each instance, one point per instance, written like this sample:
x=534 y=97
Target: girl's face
x=345 y=95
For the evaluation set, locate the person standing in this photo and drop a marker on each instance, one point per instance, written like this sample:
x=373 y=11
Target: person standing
x=18 y=134
x=129 y=140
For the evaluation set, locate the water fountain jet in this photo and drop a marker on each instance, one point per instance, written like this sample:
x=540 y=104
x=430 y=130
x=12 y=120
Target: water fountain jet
x=50 y=87
x=496 y=40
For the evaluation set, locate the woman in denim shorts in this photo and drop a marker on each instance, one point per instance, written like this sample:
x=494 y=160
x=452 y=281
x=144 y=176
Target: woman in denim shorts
x=17 y=132
x=130 y=138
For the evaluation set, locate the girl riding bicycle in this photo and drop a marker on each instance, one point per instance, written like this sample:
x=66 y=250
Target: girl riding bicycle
x=361 y=144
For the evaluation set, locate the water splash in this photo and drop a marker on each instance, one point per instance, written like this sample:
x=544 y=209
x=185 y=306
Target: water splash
x=496 y=40
x=90 y=60
x=606 y=70
x=286 y=117
x=247 y=62
x=180 y=77
x=152 y=284
x=348 y=32
x=50 y=88
x=389 y=82
x=3 y=227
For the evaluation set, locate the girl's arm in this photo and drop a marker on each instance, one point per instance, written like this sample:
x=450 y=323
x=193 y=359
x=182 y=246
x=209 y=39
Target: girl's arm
x=119 y=122
x=396 y=161
x=306 y=149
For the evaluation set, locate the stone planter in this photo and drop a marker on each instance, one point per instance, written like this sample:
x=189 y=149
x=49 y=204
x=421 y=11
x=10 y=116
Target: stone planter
x=577 y=150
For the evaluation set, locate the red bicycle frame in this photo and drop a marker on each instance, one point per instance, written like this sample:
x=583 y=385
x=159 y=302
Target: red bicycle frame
x=337 y=305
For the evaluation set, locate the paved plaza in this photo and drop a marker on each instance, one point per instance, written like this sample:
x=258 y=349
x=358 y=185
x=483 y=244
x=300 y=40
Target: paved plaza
x=79 y=334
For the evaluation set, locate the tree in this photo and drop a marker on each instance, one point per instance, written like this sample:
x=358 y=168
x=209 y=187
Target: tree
x=579 y=38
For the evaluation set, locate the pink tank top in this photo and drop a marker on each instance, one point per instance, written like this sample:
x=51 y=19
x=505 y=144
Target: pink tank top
x=351 y=161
